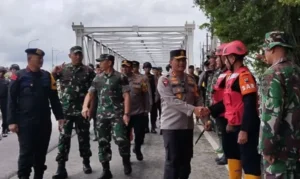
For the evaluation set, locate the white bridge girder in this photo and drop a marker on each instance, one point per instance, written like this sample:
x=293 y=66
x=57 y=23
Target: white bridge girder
x=140 y=43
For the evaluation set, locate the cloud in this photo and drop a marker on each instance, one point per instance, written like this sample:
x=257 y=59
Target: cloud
x=50 y=21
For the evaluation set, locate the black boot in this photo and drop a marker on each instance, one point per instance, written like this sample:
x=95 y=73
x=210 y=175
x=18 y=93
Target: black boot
x=127 y=165
x=23 y=177
x=87 y=169
x=138 y=153
x=39 y=172
x=153 y=131
x=106 y=174
x=61 y=172
x=222 y=161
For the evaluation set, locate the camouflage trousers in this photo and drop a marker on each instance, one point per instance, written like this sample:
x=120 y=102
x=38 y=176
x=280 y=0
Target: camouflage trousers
x=116 y=128
x=289 y=169
x=82 y=128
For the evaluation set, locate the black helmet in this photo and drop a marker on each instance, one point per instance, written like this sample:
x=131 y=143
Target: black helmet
x=2 y=69
x=147 y=65
x=14 y=66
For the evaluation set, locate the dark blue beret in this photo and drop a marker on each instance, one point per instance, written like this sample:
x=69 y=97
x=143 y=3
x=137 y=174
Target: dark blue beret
x=35 y=51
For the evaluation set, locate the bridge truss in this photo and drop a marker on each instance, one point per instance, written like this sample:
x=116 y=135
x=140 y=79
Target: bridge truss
x=140 y=43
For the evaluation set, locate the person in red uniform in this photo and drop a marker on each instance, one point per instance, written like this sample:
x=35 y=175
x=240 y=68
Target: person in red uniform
x=240 y=106
x=218 y=87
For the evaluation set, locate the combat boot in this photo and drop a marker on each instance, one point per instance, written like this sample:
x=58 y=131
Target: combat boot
x=106 y=174
x=39 y=172
x=61 y=172
x=138 y=153
x=87 y=169
x=127 y=165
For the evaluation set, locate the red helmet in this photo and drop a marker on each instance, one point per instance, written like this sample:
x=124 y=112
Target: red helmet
x=235 y=47
x=220 y=49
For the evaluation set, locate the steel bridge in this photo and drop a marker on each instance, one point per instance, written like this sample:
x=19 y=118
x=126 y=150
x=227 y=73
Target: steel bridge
x=140 y=43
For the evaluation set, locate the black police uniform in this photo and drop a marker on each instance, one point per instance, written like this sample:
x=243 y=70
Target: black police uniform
x=3 y=102
x=29 y=94
x=153 y=112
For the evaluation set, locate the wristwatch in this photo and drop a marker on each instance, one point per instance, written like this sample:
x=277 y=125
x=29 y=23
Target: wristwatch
x=126 y=114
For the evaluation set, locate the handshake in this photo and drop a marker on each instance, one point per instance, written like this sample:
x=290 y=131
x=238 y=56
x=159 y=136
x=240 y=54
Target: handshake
x=201 y=111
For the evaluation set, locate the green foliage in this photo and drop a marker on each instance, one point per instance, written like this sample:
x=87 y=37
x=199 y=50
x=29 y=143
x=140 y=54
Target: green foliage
x=249 y=20
x=290 y=2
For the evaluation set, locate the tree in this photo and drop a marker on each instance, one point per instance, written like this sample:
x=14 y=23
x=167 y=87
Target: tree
x=249 y=20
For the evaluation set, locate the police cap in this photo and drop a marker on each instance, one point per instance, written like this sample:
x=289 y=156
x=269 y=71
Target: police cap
x=76 y=49
x=35 y=51
x=135 y=63
x=105 y=57
x=147 y=65
x=178 y=54
x=127 y=63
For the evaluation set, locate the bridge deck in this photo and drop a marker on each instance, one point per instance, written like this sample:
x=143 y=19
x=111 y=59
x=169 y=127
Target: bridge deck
x=203 y=165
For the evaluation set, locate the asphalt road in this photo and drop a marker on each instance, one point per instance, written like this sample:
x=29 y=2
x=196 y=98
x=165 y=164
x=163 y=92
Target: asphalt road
x=203 y=165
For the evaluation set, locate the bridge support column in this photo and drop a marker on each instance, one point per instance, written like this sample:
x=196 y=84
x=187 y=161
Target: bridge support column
x=190 y=42
x=90 y=51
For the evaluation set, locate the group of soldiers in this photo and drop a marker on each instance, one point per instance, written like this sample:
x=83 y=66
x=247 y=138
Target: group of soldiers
x=121 y=101
x=118 y=102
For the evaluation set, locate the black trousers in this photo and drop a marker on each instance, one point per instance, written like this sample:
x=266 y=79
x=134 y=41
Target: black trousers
x=3 y=108
x=137 y=122
x=179 y=152
x=34 y=137
x=247 y=153
x=153 y=116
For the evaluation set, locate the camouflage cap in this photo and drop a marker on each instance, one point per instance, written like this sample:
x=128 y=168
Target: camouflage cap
x=275 y=38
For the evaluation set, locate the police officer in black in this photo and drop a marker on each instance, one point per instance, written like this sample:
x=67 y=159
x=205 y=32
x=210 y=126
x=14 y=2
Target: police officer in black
x=3 y=100
x=29 y=115
x=153 y=113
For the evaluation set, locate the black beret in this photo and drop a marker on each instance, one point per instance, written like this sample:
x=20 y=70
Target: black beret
x=135 y=63
x=127 y=63
x=35 y=51
x=105 y=57
x=191 y=66
x=76 y=49
x=159 y=68
x=178 y=54
x=154 y=68
x=147 y=65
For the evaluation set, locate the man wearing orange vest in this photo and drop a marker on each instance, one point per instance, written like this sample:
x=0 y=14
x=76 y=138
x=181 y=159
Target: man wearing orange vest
x=240 y=106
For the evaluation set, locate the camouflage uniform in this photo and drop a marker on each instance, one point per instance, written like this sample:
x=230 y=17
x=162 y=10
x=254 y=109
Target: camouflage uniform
x=280 y=111
x=74 y=84
x=209 y=89
x=110 y=111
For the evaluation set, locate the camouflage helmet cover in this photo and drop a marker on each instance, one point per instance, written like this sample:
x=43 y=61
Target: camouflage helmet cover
x=275 y=38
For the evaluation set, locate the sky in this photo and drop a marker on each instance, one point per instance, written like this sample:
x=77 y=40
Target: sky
x=50 y=21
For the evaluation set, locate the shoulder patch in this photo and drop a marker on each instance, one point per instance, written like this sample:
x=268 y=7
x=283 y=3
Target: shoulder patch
x=53 y=83
x=247 y=83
